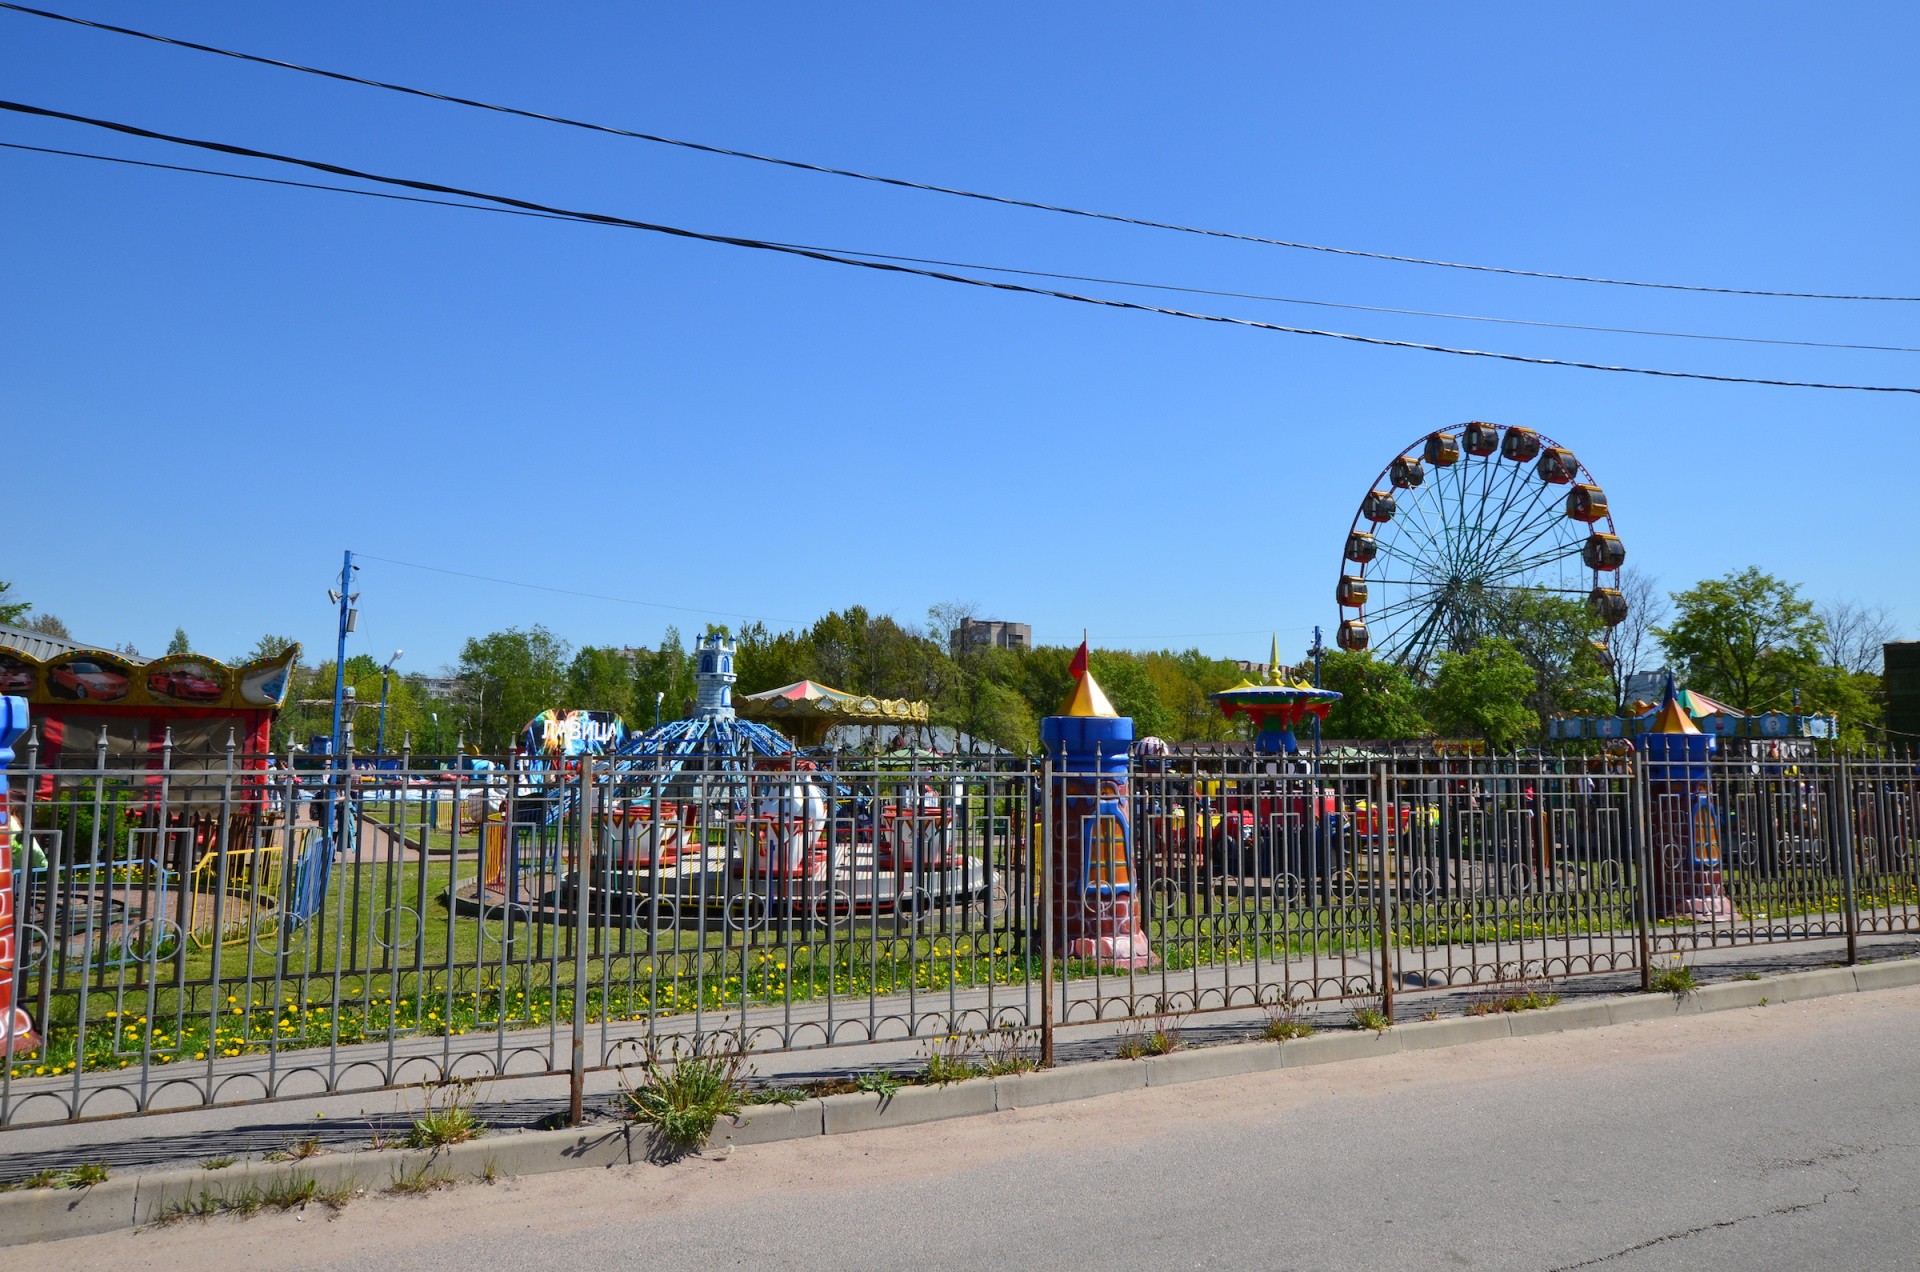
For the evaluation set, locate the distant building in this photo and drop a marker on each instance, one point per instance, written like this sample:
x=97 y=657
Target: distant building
x=444 y=687
x=990 y=633
x=1255 y=670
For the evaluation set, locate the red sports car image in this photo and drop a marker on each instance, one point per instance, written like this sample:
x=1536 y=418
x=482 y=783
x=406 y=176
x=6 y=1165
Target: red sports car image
x=83 y=678
x=184 y=683
x=15 y=678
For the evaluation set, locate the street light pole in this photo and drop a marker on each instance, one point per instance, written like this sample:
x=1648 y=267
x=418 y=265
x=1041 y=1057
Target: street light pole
x=386 y=677
x=659 y=697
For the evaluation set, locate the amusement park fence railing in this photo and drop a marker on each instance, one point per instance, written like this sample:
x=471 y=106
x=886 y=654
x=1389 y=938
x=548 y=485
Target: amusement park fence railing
x=239 y=931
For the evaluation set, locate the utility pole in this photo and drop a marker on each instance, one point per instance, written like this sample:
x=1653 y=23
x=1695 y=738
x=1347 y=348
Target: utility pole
x=344 y=597
x=386 y=676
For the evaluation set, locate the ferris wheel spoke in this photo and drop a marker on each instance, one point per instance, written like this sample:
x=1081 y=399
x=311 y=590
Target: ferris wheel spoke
x=1417 y=622
x=1512 y=513
x=1421 y=644
x=1521 y=542
x=1521 y=565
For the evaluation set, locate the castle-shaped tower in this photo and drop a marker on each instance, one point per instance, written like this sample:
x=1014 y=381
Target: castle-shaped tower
x=714 y=677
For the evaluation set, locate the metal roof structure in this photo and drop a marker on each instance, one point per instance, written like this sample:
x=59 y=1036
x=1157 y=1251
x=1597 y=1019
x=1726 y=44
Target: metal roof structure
x=39 y=644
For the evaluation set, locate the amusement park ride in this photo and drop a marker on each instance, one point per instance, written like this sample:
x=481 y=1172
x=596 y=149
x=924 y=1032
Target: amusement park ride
x=1459 y=527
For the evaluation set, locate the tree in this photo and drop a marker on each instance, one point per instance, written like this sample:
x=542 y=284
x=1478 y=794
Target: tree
x=12 y=611
x=1558 y=638
x=1379 y=699
x=600 y=680
x=1482 y=692
x=1632 y=643
x=1856 y=698
x=1852 y=635
x=1746 y=639
x=179 y=644
x=664 y=676
x=50 y=625
x=268 y=646
x=511 y=677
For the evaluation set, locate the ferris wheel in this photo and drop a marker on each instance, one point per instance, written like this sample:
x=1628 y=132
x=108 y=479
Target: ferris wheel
x=1460 y=529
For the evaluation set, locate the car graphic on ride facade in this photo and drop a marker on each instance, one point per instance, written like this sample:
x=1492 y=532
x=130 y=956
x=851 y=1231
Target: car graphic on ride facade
x=84 y=678
x=184 y=683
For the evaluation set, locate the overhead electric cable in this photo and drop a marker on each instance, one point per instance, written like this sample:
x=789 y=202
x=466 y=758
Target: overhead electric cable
x=997 y=269
x=567 y=591
x=765 y=245
x=926 y=187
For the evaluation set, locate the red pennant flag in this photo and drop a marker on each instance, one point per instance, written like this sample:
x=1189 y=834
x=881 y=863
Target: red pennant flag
x=1078 y=667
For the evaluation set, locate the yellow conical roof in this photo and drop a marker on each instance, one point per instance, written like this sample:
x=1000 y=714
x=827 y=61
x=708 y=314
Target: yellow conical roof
x=1087 y=699
x=1673 y=717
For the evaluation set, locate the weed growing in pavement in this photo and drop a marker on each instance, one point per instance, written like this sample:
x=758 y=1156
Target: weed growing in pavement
x=295 y=1150
x=1748 y=976
x=774 y=1095
x=451 y=1121
x=682 y=1096
x=1430 y=1014
x=948 y=1061
x=218 y=1163
x=1284 y=1021
x=1156 y=1037
x=289 y=1191
x=85 y=1175
x=337 y=1197
x=1369 y=1018
x=1677 y=979
x=424 y=1179
x=1511 y=996
x=880 y=1082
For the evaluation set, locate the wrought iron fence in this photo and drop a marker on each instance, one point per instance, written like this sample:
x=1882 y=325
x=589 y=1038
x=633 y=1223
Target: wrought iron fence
x=245 y=930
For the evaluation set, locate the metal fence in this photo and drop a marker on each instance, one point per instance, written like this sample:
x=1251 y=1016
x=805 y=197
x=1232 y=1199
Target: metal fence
x=240 y=931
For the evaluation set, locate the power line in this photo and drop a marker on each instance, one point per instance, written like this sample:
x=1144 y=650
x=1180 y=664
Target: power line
x=891 y=267
x=997 y=269
x=567 y=591
x=903 y=183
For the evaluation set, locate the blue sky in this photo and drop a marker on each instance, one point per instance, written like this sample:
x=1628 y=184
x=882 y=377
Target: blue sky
x=209 y=389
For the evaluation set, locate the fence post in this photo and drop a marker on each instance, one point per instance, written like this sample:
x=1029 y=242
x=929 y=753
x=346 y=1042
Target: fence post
x=1642 y=868
x=1843 y=820
x=1383 y=820
x=582 y=913
x=1043 y=862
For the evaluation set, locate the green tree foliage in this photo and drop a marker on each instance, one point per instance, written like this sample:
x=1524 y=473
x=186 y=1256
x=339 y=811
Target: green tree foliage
x=12 y=610
x=1747 y=639
x=511 y=677
x=1378 y=698
x=268 y=646
x=1482 y=692
x=664 y=674
x=179 y=644
x=601 y=680
x=1182 y=682
x=1558 y=639
x=50 y=625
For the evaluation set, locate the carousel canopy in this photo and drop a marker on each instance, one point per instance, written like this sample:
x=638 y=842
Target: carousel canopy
x=806 y=709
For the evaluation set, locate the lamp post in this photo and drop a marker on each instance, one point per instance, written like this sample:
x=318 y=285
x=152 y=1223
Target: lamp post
x=659 y=697
x=386 y=680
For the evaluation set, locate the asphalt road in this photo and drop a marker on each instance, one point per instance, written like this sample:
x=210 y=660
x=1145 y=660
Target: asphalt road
x=1779 y=1137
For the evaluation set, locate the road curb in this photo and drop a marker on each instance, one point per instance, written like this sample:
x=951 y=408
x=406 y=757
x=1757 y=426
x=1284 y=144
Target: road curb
x=53 y=1214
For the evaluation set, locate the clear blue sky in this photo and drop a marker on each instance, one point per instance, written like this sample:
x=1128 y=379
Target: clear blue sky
x=208 y=388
